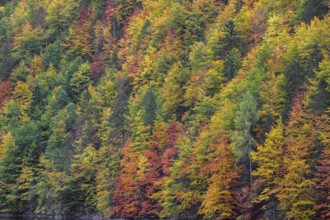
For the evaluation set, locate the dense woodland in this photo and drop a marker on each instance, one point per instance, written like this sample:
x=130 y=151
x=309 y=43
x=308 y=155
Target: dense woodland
x=188 y=109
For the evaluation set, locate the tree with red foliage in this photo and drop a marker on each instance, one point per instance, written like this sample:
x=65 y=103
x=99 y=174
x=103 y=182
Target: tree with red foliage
x=149 y=206
x=322 y=177
x=221 y=173
x=143 y=170
x=82 y=35
x=126 y=196
x=98 y=67
x=170 y=153
x=5 y=92
x=110 y=9
x=176 y=192
x=218 y=201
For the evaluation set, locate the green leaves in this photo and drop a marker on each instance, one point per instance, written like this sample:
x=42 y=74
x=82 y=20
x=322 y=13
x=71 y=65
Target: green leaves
x=80 y=80
x=244 y=121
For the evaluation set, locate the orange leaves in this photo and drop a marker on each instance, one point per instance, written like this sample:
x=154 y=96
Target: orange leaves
x=126 y=195
x=110 y=9
x=218 y=201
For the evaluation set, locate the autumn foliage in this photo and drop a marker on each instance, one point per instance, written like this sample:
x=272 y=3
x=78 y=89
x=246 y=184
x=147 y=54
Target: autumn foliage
x=148 y=109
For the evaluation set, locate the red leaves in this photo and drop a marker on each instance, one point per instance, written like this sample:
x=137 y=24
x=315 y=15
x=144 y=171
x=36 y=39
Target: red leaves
x=244 y=203
x=110 y=10
x=130 y=20
x=126 y=196
x=82 y=35
x=83 y=14
x=5 y=91
x=97 y=66
x=170 y=152
x=133 y=193
x=322 y=177
x=167 y=159
x=322 y=180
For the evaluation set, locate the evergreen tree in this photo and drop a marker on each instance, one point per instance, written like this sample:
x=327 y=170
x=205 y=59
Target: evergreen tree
x=80 y=81
x=150 y=107
x=231 y=39
x=243 y=140
x=10 y=168
x=119 y=111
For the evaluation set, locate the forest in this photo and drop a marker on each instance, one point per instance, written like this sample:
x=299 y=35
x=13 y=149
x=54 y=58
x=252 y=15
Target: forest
x=158 y=109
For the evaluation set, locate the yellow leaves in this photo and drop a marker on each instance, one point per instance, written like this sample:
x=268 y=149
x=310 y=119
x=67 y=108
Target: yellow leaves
x=324 y=73
x=201 y=147
x=81 y=37
x=104 y=127
x=97 y=172
x=217 y=201
x=21 y=13
x=184 y=147
x=148 y=66
x=25 y=180
x=84 y=164
x=194 y=89
x=36 y=65
x=297 y=198
x=175 y=77
x=164 y=196
x=60 y=11
x=307 y=35
x=140 y=135
x=273 y=96
x=276 y=27
x=103 y=195
x=27 y=40
x=158 y=11
x=23 y=96
x=135 y=30
x=107 y=92
x=50 y=183
x=323 y=125
x=187 y=199
x=1 y=150
x=214 y=76
x=142 y=165
x=243 y=21
x=59 y=134
x=295 y=187
x=269 y=160
x=7 y=143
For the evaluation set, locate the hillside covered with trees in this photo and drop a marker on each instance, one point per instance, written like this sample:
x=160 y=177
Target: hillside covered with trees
x=187 y=109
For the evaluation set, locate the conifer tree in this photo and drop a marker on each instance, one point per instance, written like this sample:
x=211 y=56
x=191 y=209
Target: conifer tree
x=243 y=140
